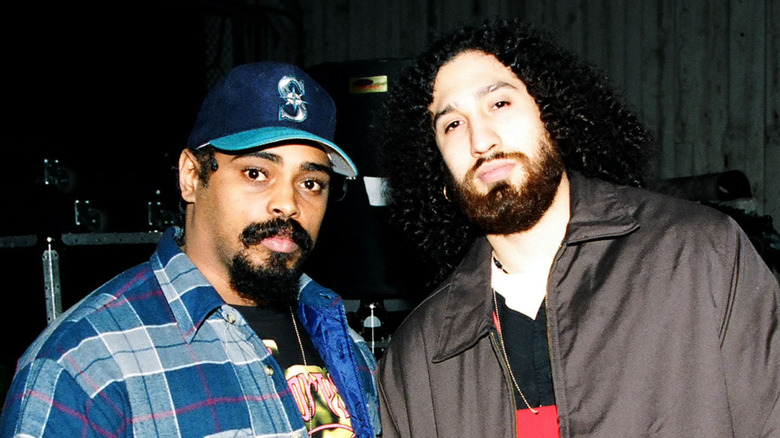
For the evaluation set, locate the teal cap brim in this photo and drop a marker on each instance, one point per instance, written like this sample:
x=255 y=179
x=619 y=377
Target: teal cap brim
x=341 y=162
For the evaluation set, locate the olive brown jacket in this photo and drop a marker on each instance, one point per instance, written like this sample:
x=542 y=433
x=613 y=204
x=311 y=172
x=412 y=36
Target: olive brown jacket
x=662 y=321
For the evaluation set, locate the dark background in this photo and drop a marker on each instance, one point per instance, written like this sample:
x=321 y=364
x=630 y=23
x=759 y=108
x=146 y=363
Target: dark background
x=99 y=102
x=106 y=93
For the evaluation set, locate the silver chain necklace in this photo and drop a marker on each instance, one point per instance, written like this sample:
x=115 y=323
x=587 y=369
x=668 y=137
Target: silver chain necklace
x=506 y=358
x=300 y=344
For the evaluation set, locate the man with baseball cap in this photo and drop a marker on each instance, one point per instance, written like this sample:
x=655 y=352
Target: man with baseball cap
x=220 y=333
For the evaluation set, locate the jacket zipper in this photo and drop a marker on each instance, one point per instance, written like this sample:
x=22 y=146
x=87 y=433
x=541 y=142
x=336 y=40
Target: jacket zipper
x=553 y=358
x=497 y=352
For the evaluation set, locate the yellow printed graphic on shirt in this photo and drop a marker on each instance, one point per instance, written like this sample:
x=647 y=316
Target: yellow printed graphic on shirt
x=320 y=404
x=317 y=398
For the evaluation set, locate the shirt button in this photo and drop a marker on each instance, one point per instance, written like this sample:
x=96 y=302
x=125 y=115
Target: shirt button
x=269 y=370
x=230 y=318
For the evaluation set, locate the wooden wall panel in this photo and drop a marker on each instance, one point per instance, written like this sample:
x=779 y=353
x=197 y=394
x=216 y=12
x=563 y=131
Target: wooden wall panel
x=745 y=137
x=664 y=116
x=771 y=199
x=709 y=155
x=703 y=74
x=634 y=61
x=689 y=77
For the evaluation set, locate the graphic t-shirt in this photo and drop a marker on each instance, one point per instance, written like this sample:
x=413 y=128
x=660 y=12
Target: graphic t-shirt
x=316 y=395
x=527 y=349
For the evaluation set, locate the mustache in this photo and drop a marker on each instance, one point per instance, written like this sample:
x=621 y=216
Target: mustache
x=519 y=156
x=255 y=233
x=498 y=156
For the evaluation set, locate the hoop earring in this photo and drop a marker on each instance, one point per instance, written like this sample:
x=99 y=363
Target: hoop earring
x=444 y=191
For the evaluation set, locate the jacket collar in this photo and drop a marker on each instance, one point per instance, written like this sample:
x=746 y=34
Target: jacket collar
x=597 y=212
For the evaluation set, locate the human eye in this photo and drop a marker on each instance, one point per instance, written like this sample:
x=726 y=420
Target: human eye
x=501 y=104
x=314 y=185
x=451 y=125
x=255 y=174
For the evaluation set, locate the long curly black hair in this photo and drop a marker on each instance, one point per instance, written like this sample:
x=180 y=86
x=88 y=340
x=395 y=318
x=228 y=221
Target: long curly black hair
x=597 y=135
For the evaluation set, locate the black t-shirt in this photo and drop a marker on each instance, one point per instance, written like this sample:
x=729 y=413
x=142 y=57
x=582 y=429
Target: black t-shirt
x=528 y=353
x=527 y=350
x=276 y=329
x=317 y=397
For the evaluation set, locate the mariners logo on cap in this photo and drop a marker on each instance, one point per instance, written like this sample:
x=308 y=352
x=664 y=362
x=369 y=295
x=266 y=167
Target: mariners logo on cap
x=294 y=107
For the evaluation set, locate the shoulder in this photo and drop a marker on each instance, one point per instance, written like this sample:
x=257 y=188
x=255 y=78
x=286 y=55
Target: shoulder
x=644 y=205
x=71 y=357
x=650 y=204
x=457 y=313
x=681 y=222
x=423 y=324
x=678 y=235
x=123 y=303
x=655 y=213
x=408 y=359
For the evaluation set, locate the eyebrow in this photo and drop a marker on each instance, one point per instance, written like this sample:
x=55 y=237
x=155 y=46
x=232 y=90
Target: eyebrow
x=276 y=159
x=481 y=92
x=316 y=167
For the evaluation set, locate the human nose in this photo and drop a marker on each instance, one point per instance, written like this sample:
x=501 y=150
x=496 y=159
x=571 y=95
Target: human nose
x=483 y=138
x=283 y=202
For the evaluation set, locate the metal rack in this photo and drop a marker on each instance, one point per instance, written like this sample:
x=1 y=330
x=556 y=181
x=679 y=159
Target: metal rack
x=50 y=256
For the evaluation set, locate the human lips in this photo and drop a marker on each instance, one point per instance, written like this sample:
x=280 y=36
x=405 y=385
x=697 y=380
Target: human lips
x=280 y=243
x=277 y=235
x=495 y=170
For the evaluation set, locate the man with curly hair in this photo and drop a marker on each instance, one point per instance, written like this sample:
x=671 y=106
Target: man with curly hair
x=570 y=301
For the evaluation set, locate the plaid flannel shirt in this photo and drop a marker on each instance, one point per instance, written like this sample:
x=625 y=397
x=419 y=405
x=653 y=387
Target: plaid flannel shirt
x=157 y=352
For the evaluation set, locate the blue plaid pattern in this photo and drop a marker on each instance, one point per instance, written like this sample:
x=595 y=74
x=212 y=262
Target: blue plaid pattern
x=157 y=352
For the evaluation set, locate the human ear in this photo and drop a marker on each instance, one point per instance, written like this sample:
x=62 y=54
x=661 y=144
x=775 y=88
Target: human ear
x=189 y=175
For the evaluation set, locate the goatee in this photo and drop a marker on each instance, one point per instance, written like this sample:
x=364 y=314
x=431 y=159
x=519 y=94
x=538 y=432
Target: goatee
x=509 y=209
x=275 y=283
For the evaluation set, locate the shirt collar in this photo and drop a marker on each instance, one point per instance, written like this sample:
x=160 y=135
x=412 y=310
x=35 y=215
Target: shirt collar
x=190 y=295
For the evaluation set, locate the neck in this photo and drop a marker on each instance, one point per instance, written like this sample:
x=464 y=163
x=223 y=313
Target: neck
x=207 y=263
x=534 y=249
x=219 y=279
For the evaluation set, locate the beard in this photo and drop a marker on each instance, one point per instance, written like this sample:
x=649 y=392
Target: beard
x=509 y=209
x=276 y=282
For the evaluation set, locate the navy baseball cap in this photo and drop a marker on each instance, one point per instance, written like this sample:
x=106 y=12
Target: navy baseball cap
x=264 y=103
